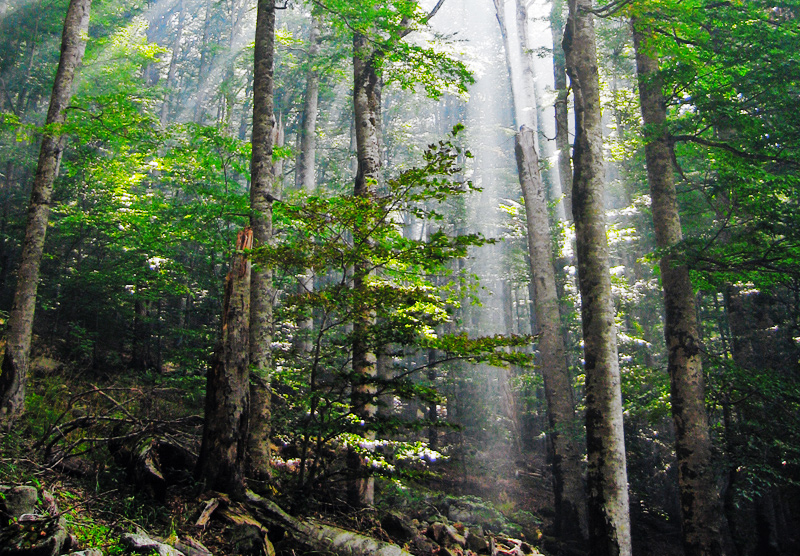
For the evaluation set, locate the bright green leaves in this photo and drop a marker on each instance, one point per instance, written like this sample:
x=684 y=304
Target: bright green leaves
x=408 y=61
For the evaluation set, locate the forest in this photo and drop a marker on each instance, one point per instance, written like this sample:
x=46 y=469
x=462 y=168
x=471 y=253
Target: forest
x=400 y=277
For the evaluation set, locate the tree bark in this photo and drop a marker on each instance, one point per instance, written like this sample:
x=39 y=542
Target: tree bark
x=609 y=520
x=367 y=108
x=261 y=188
x=305 y=176
x=561 y=106
x=221 y=465
x=320 y=538
x=14 y=372
x=700 y=503
x=173 y=65
x=570 y=499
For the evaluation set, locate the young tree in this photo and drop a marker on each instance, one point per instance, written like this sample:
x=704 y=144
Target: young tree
x=700 y=507
x=13 y=376
x=609 y=520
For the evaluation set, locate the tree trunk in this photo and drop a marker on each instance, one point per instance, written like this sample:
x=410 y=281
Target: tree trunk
x=607 y=481
x=320 y=538
x=570 y=499
x=173 y=65
x=305 y=176
x=700 y=505
x=13 y=376
x=262 y=183
x=199 y=108
x=367 y=108
x=561 y=107
x=221 y=465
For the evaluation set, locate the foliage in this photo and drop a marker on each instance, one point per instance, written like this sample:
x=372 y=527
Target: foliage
x=410 y=305
x=409 y=63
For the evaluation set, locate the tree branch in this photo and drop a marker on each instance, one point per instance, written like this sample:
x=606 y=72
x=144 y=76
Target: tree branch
x=734 y=150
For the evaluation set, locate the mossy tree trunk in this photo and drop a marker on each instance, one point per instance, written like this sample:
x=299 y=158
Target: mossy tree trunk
x=14 y=372
x=262 y=183
x=700 y=506
x=568 y=487
x=607 y=480
x=221 y=465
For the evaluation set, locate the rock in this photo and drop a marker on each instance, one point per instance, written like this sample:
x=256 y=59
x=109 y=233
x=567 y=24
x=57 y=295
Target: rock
x=141 y=543
x=446 y=535
x=399 y=526
x=422 y=546
x=17 y=501
x=45 y=366
x=476 y=513
x=90 y=552
x=476 y=542
x=34 y=536
x=454 y=538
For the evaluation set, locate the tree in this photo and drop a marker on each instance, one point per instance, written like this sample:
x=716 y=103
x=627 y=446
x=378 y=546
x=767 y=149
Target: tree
x=261 y=184
x=221 y=464
x=377 y=31
x=568 y=484
x=700 y=507
x=13 y=376
x=609 y=520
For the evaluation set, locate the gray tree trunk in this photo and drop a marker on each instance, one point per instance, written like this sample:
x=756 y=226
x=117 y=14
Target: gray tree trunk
x=14 y=372
x=561 y=107
x=262 y=180
x=173 y=65
x=305 y=172
x=607 y=481
x=700 y=503
x=304 y=176
x=570 y=498
x=221 y=465
x=367 y=107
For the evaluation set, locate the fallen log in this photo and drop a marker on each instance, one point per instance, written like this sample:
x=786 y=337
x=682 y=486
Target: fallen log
x=320 y=537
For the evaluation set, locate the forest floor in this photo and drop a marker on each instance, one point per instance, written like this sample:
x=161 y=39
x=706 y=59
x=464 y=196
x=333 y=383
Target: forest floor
x=100 y=498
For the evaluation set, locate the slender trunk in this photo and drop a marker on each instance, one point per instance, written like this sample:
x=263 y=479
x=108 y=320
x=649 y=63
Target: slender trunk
x=304 y=177
x=564 y=430
x=367 y=122
x=199 y=107
x=561 y=106
x=607 y=481
x=173 y=65
x=700 y=503
x=13 y=376
x=261 y=188
x=221 y=465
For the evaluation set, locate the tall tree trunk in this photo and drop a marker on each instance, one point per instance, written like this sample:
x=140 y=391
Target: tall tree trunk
x=700 y=504
x=199 y=107
x=367 y=121
x=607 y=480
x=561 y=106
x=261 y=188
x=221 y=465
x=304 y=176
x=568 y=485
x=173 y=65
x=13 y=376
